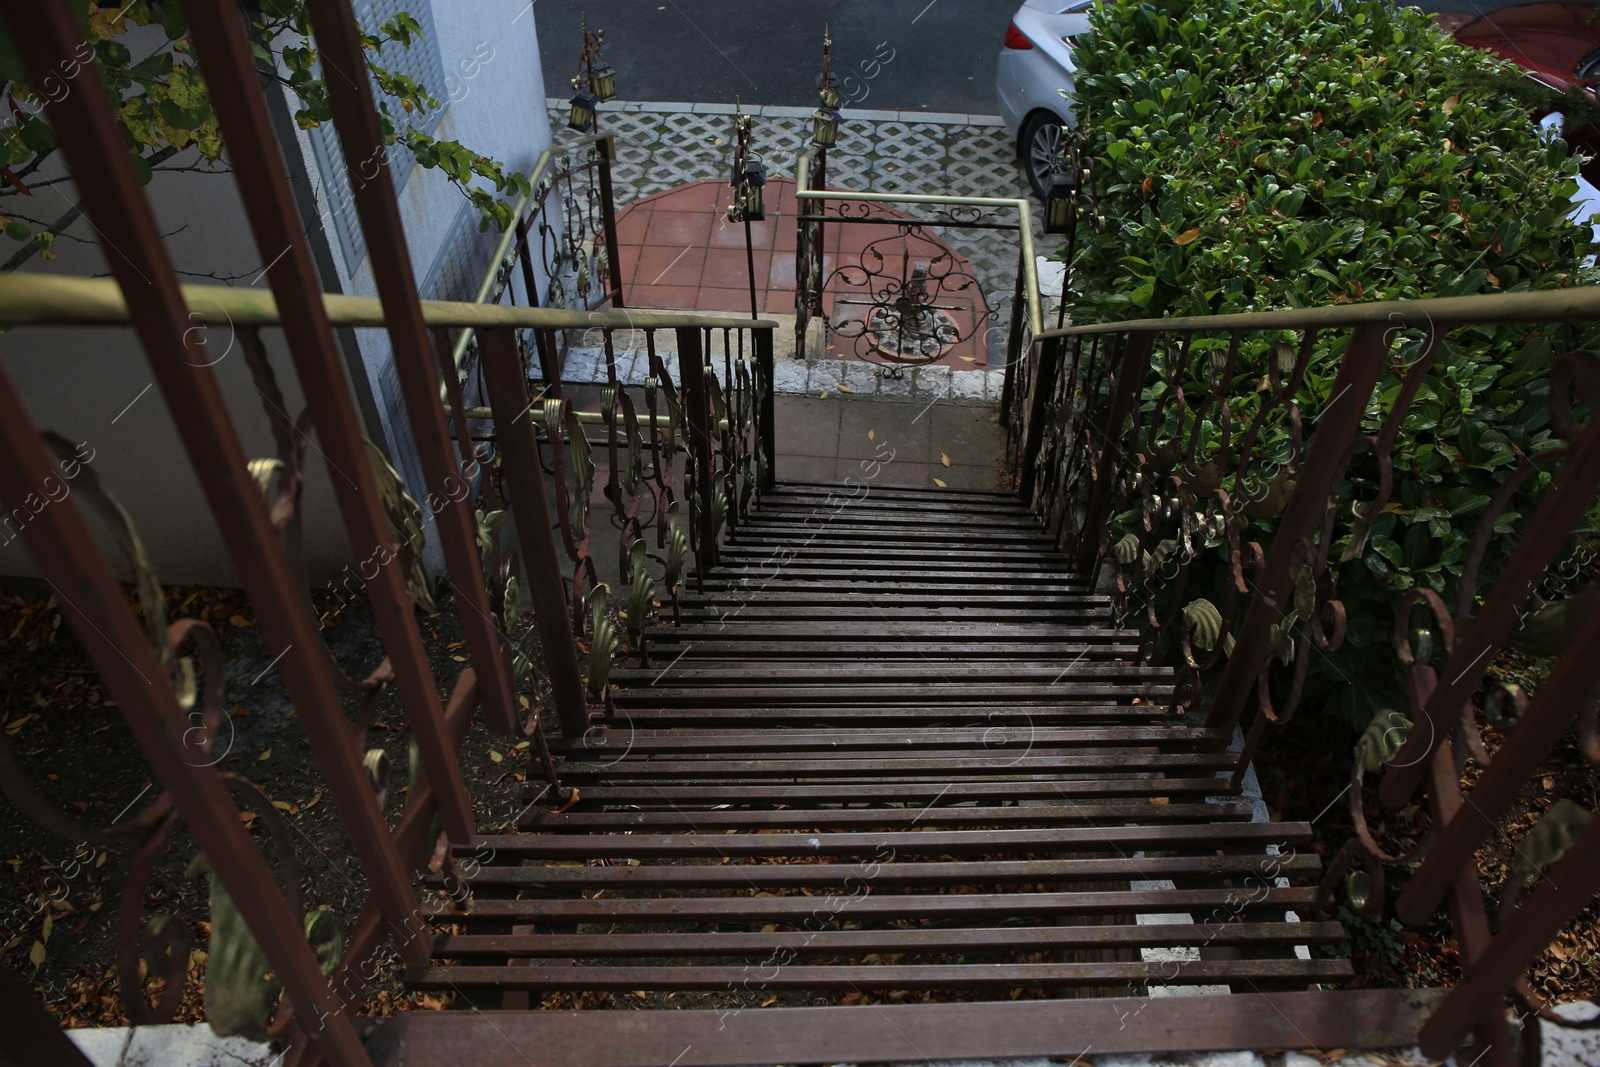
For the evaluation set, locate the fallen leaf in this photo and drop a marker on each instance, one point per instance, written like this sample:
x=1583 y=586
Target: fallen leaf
x=944 y=459
x=495 y=756
x=36 y=954
x=824 y=395
x=284 y=805
x=1450 y=104
x=1187 y=236
x=969 y=359
x=769 y=1002
x=265 y=755
x=872 y=435
x=239 y=620
x=845 y=389
x=940 y=483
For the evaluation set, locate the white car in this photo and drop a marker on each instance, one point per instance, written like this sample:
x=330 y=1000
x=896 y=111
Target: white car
x=1035 y=67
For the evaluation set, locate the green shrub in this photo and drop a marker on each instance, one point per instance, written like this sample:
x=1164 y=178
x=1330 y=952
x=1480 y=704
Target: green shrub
x=1262 y=154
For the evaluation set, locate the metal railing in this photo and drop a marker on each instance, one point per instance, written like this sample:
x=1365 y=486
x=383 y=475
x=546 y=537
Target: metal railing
x=904 y=317
x=573 y=245
x=1127 y=447
x=169 y=684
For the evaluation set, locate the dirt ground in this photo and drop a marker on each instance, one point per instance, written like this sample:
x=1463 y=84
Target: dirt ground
x=1306 y=767
x=59 y=897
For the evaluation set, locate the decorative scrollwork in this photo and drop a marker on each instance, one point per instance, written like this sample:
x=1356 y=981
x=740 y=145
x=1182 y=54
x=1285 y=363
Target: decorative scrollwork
x=904 y=301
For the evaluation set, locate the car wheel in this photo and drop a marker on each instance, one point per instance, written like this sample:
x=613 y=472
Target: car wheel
x=1040 y=144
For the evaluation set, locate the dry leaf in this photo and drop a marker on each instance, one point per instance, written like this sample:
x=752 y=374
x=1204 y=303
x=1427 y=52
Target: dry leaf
x=1450 y=104
x=239 y=620
x=495 y=756
x=940 y=483
x=769 y=1002
x=36 y=954
x=284 y=805
x=944 y=459
x=845 y=389
x=1187 y=236
x=872 y=435
x=969 y=359
x=265 y=755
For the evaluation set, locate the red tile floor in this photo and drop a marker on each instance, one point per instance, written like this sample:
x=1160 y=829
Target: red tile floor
x=678 y=250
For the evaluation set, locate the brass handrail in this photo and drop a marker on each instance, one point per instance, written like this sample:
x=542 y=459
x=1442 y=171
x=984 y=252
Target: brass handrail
x=1579 y=302
x=1023 y=206
x=51 y=299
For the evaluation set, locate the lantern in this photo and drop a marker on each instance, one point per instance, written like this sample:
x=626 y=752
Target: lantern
x=824 y=127
x=583 y=105
x=603 y=82
x=751 y=205
x=1059 y=202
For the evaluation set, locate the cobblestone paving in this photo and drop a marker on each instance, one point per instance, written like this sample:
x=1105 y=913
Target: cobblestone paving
x=660 y=145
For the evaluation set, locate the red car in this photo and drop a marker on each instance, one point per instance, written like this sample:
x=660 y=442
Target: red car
x=1557 y=44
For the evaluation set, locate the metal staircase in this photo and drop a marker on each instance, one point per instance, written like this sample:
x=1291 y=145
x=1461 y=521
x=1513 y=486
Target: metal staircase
x=894 y=749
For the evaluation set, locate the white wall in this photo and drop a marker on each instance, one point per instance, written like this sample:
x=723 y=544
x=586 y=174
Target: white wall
x=81 y=382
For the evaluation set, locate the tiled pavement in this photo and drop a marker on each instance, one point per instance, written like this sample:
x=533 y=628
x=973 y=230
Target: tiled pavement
x=678 y=250
x=661 y=145
x=937 y=413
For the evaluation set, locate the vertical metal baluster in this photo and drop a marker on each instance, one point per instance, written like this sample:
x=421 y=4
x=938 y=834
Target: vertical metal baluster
x=64 y=547
x=92 y=144
x=356 y=120
x=508 y=398
x=607 y=147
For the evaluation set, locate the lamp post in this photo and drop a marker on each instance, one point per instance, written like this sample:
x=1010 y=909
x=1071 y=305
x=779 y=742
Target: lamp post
x=594 y=84
x=748 y=178
x=1061 y=203
x=825 y=120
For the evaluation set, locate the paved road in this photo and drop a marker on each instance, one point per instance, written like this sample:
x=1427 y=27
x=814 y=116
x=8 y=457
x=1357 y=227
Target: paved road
x=769 y=51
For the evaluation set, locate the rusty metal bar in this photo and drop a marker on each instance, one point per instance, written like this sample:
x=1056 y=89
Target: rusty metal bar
x=1044 y=391
x=1568 y=889
x=544 y=345
x=766 y=414
x=64 y=547
x=1568 y=689
x=33 y=1035
x=356 y=120
x=92 y=143
x=1574 y=486
x=608 y=219
x=541 y=562
x=410 y=837
x=1337 y=426
x=697 y=412
x=1136 y=349
x=264 y=187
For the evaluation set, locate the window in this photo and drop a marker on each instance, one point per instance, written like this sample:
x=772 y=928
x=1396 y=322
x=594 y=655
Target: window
x=420 y=62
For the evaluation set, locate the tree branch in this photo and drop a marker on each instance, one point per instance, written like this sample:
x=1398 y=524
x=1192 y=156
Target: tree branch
x=67 y=218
